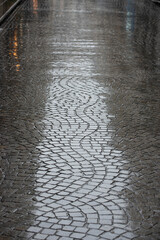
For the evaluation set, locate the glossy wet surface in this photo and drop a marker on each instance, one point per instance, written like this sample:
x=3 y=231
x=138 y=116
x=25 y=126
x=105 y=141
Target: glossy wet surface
x=80 y=121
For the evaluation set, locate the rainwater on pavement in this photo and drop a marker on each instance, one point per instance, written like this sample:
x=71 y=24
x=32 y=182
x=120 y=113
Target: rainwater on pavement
x=80 y=120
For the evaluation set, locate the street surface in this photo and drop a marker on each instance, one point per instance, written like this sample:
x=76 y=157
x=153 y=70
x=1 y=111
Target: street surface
x=80 y=121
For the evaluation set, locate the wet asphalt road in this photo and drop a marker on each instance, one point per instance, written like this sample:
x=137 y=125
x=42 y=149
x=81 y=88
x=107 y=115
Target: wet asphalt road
x=80 y=121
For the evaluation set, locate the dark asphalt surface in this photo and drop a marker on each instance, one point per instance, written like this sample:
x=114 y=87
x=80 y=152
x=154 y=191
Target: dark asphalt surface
x=80 y=121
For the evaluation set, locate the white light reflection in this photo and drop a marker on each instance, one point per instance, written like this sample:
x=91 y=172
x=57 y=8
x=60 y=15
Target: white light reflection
x=130 y=16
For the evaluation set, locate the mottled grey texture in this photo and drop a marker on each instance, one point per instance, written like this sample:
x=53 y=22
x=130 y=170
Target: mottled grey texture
x=80 y=121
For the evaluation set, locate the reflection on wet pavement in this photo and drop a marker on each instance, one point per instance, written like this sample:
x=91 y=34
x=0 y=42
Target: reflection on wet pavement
x=5 y=5
x=80 y=121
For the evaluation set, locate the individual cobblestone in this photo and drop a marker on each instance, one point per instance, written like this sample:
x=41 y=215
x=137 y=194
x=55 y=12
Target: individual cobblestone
x=79 y=131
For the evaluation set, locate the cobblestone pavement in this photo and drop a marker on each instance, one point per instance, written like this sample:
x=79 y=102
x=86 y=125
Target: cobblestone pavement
x=80 y=121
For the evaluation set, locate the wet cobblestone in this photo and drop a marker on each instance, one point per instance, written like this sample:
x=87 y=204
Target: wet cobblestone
x=80 y=121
